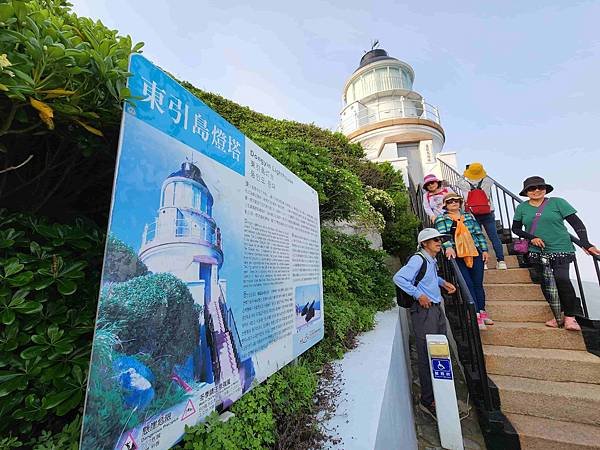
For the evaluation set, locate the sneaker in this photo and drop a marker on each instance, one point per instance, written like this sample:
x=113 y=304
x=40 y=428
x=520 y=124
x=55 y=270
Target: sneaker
x=486 y=319
x=501 y=265
x=428 y=409
x=480 y=322
x=485 y=267
x=552 y=323
x=571 y=324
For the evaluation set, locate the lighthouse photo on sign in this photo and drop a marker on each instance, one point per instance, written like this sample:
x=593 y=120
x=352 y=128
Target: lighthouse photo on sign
x=166 y=332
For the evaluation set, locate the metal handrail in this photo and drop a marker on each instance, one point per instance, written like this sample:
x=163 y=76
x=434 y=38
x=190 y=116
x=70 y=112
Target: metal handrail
x=504 y=198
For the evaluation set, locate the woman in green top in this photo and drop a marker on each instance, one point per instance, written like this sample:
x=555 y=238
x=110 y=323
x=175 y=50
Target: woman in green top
x=550 y=247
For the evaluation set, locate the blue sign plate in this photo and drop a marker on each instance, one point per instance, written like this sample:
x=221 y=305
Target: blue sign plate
x=441 y=368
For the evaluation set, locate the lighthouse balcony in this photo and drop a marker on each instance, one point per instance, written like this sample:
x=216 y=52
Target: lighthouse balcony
x=181 y=230
x=360 y=114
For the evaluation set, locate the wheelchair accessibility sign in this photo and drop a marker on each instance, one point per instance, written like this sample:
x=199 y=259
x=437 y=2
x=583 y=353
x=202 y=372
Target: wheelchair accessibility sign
x=441 y=368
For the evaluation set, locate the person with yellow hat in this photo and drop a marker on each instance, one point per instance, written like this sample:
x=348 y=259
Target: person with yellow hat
x=477 y=188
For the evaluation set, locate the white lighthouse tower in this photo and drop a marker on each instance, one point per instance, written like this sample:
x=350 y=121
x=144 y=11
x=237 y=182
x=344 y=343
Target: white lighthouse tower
x=185 y=241
x=393 y=122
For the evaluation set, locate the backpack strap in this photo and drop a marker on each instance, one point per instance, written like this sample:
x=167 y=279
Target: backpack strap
x=422 y=270
x=479 y=184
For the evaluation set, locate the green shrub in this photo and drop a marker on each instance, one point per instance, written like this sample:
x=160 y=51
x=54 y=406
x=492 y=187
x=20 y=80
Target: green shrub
x=359 y=272
x=264 y=416
x=399 y=235
x=49 y=277
x=59 y=69
x=62 y=81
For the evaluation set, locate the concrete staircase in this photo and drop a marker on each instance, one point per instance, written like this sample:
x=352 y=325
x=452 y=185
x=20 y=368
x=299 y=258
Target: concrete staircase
x=549 y=386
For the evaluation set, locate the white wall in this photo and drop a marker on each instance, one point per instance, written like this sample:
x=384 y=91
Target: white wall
x=374 y=408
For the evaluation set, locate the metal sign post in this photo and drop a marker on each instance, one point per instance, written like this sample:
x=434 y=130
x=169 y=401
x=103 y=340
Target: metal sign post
x=444 y=392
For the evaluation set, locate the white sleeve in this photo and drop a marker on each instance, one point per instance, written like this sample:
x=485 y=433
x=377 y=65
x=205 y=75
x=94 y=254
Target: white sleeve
x=427 y=206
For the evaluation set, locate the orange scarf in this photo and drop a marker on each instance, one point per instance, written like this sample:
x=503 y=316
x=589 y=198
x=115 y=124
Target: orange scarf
x=465 y=246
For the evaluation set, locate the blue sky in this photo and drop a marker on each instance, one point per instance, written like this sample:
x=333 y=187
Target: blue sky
x=515 y=82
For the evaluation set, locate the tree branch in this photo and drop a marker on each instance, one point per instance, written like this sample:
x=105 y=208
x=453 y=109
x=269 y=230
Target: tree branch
x=8 y=169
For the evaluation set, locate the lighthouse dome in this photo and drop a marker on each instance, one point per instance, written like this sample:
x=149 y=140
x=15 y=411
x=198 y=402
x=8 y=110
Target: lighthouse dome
x=374 y=55
x=191 y=171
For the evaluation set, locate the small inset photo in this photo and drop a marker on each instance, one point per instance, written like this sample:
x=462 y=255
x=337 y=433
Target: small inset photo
x=308 y=304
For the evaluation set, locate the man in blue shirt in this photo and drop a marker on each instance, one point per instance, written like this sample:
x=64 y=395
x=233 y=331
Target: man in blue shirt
x=426 y=313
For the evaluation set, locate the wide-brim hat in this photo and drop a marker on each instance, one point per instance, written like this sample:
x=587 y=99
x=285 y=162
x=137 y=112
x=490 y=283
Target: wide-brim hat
x=431 y=178
x=535 y=181
x=475 y=171
x=451 y=195
x=430 y=233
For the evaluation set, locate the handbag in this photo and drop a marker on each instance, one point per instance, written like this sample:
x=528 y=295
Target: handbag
x=521 y=246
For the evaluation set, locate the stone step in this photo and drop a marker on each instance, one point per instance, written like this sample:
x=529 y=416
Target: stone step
x=536 y=433
x=513 y=291
x=493 y=276
x=543 y=364
x=491 y=248
x=511 y=261
x=519 y=311
x=531 y=335
x=571 y=402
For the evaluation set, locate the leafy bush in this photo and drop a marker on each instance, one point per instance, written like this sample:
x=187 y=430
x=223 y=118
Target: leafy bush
x=62 y=80
x=399 y=235
x=49 y=281
x=59 y=70
x=353 y=270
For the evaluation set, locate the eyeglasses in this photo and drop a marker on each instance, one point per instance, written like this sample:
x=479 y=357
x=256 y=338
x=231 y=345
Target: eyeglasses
x=453 y=200
x=437 y=239
x=536 y=188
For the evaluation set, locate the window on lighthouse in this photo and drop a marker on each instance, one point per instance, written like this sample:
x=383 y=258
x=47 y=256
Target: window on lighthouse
x=180 y=224
x=197 y=198
x=169 y=195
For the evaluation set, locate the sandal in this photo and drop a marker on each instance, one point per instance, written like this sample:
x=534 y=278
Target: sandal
x=571 y=324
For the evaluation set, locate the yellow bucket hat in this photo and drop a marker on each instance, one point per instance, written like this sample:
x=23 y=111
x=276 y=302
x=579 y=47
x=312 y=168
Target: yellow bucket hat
x=475 y=171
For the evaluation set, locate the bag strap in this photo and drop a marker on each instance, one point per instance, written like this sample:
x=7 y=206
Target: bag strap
x=478 y=186
x=422 y=270
x=538 y=214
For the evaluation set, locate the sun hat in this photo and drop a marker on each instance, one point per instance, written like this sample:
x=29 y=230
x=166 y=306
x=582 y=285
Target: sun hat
x=431 y=178
x=451 y=195
x=429 y=233
x=534 y=181
x=475 y=171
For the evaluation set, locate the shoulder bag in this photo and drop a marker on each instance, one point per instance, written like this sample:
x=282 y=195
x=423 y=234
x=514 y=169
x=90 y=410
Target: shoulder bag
x=521 y=246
